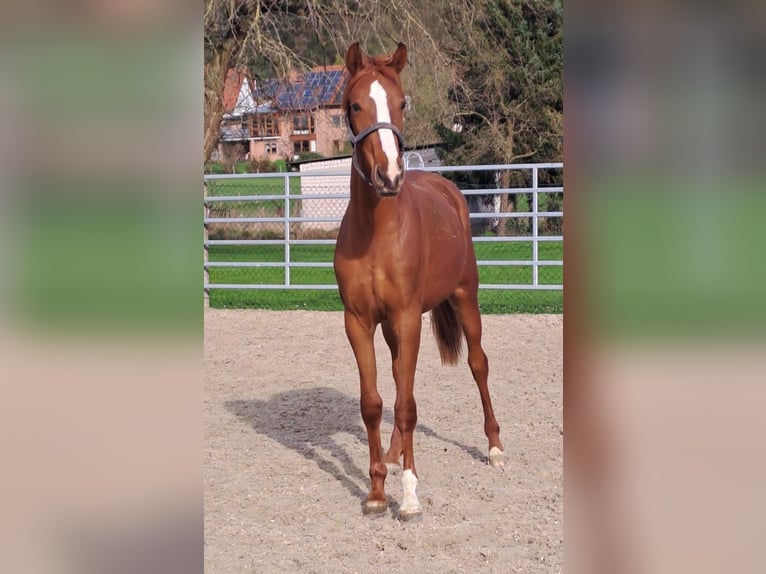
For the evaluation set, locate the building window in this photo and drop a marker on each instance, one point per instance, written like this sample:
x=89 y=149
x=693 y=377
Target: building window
x=303 y=125
x=265 y=126
x=338 y=121
x=271 y=148
x=302 y=146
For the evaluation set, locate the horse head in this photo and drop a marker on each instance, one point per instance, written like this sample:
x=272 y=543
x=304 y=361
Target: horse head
x=374 y=102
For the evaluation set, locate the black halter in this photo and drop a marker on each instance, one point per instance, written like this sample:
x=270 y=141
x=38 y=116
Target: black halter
x=356 y=138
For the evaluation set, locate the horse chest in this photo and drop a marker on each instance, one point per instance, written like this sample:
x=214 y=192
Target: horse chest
x=382 y=277
x=380 y=280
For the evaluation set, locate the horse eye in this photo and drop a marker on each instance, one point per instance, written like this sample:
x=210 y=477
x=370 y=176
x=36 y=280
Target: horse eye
x=404 y=106
x=356 y=107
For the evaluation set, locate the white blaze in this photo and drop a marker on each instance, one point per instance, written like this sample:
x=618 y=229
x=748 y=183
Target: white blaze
x=387 y=138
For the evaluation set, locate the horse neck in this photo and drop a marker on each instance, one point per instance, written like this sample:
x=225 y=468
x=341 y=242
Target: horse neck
x=363 y=200
x=366 y=208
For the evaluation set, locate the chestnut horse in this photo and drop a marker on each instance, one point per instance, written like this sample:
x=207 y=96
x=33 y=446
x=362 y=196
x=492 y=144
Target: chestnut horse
x=404 y=248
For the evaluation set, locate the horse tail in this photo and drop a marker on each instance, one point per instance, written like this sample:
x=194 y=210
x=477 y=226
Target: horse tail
x=448 y=332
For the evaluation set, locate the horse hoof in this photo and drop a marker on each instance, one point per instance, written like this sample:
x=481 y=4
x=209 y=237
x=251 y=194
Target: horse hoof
x=496 y=457
x=415 y=515
x=374 y=507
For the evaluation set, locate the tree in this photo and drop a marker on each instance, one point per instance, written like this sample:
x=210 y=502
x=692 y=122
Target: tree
x=226 y=24
x=508 y=91
x=234 y=31
x=509 y=87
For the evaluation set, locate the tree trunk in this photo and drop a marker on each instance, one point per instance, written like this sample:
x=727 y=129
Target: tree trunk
x=215 y=78
x=507 y=202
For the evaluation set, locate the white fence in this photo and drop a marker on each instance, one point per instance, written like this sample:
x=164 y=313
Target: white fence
x=268 y=211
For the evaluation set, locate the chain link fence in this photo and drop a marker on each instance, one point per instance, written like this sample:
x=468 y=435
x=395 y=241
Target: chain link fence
x=269 y=238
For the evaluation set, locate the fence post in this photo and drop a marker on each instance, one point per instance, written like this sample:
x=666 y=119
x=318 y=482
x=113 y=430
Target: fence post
x=205 y=248
x=286 y=214
x=535 y=267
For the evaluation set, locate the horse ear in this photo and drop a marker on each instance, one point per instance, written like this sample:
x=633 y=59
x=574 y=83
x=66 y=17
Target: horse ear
x=399 y=58
x=354 y=58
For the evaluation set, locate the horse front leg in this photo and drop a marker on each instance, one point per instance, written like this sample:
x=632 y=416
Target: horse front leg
x=405 y=344
x=361 y=337
x=393 y=457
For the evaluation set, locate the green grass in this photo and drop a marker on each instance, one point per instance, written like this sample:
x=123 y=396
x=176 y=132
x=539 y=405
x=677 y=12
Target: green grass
x=273 y=184
x=491 y=300
x=217 y=168
x=252 y=186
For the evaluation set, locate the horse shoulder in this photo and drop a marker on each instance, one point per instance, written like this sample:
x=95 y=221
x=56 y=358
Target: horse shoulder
x=434 y=183
x=438 y=196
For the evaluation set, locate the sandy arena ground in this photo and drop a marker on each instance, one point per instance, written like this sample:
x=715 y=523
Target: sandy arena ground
x=286 y=456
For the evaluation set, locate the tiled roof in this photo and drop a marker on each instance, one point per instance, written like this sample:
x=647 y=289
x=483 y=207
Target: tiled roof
x=231 y=88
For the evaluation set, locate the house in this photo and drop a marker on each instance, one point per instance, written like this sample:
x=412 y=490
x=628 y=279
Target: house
x=283 y=118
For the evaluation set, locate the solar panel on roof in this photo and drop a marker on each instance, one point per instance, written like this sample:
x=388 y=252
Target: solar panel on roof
x=315 y=88
x=267 y=89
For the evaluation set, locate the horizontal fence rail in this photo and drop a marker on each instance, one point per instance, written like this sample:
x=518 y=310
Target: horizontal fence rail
x=278 y=231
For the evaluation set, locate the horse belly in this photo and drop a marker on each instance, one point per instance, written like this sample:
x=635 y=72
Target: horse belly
x=441 y=285
x=445 y=266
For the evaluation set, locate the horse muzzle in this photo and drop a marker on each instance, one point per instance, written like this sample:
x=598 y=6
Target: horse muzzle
x=384 y=185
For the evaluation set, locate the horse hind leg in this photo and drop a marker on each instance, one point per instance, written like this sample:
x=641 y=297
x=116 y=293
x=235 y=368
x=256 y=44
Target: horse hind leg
x=466 y=305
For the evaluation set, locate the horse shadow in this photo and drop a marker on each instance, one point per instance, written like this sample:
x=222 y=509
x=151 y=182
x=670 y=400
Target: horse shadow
x=307 y=421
